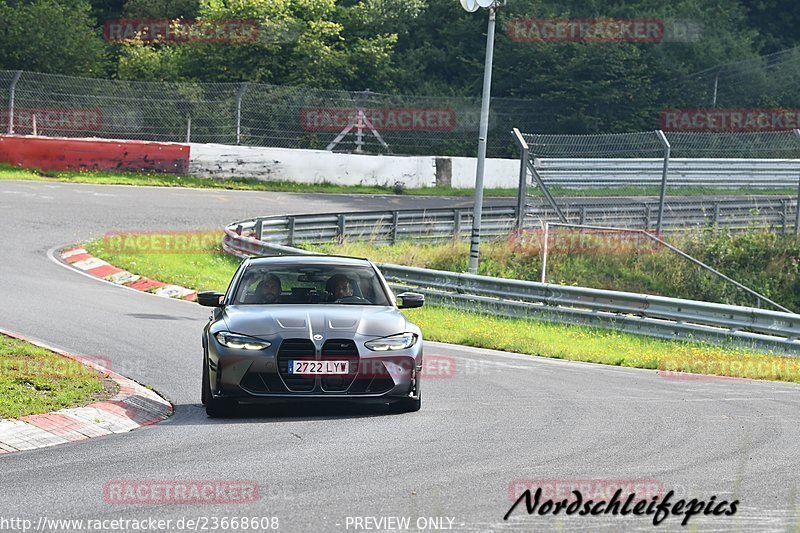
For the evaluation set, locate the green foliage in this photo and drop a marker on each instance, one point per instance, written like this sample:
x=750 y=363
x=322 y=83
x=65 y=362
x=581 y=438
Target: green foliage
x=51 y=36
x=433 y=47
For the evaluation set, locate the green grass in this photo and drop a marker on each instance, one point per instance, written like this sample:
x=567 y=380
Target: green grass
x=212 y=271
x=34 y=380
x=204 y=271
x=167 y=180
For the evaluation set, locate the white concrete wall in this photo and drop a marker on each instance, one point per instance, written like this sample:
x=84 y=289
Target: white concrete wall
x=497 y=173
x=314 y=166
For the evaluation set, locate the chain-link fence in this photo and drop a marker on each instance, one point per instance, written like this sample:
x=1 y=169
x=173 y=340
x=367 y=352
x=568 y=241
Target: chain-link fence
x=258 y=115
x=660 y=181
x=769 y=80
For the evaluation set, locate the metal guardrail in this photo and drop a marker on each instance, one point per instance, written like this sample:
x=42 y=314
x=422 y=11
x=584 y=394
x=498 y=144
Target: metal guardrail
x=655 y=316
x=722 y=173
x=430 y=225
x=437 y=225
x=767 y=212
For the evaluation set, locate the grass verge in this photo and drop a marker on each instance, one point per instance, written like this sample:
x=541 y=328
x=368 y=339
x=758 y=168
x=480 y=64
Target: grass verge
x=167 y=180
x=212 y=271
x=34 y=380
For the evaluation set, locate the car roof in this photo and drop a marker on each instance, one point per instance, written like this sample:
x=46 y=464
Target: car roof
x=332 y=260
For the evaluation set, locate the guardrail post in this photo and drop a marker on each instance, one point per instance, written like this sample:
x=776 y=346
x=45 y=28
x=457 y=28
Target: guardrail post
x=11 y=93
x=456 y=224
x=715 y=220
x=395 y=220
x=290 y=235
x=340 y=228
x=664 y=173
x=242 y=88
x=258 y=228
x=583 y=215
x=647 y=215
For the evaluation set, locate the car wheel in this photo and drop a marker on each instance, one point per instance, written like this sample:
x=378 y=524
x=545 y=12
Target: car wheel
x=407 y=405
x=215 y=407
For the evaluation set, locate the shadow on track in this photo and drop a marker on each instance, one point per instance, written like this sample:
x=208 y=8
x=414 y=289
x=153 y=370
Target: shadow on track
x=194 y=414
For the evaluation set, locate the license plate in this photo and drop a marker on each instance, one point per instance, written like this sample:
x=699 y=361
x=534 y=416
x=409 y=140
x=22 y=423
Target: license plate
x=318 y=367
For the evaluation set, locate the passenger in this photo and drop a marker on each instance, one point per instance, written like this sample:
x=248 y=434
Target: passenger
x=269 y=290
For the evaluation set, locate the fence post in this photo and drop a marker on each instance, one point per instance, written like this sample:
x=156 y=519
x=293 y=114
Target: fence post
x=544 y=252
x=664 y=173
x=522 y=190
x=797 y=204
x=188 y=129
x=784 y=215
x=242 y=88
x=11 y=93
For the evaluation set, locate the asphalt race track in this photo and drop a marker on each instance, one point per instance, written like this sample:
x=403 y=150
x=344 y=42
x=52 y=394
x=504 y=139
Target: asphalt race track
x=498 y=418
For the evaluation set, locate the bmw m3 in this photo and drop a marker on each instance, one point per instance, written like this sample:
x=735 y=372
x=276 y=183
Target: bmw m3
x=316 y=328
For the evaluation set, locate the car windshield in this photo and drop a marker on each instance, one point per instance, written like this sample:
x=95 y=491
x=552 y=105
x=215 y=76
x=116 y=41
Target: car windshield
x=310 y=284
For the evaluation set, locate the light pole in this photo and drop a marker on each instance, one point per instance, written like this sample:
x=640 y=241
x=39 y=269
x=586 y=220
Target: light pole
x=477 y=208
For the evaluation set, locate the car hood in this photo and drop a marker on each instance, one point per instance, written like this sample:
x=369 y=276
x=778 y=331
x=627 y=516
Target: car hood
x=304 y=321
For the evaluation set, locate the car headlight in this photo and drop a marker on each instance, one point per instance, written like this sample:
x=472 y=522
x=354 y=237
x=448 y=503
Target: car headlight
x=393 y=342
x=240 y=342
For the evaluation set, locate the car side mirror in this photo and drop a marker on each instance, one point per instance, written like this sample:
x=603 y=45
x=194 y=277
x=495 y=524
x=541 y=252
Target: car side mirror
x=410 y=300
x=210 y=299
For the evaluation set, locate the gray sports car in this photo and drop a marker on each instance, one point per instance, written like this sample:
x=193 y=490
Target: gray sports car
x=310 y=328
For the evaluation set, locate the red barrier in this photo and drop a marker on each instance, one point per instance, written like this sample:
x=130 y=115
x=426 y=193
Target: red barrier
x=48 y=153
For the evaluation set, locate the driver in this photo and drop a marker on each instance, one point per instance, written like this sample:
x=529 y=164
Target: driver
x=340 y=286
x=269 y=290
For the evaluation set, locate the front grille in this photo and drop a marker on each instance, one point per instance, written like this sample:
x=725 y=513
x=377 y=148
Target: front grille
x=340 y=350
x=296 y=349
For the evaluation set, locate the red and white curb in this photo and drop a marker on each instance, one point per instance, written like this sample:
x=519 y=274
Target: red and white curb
x=134 y=406
x=86 y=262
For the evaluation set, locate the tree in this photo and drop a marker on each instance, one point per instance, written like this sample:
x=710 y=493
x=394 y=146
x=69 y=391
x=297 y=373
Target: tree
x=51 y=36
x=314 y=43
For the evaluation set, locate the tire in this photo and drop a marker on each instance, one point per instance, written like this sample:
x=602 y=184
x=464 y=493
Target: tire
x=407 y=405
x=215 y=407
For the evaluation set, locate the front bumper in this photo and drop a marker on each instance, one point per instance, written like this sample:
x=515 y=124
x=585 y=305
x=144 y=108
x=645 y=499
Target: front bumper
x=262 y=375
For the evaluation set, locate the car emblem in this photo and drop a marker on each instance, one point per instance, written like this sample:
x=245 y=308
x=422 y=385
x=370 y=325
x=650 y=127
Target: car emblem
x=317 y=337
